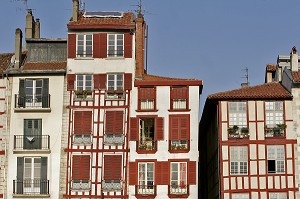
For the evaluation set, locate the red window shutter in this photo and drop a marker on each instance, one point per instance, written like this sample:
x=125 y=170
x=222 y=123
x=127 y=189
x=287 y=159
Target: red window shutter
x=147 y=93
x=185 y=127
x=71 y=45
x=192 y=172
x=96 y=45
x=109 y=122
x=114 y=122
x=133 y=173
x=119 y=124
x=71 y=81
x=78 y=122
x=134 y=131
x=162 y=173
x=179 y=92
x=83 y=122
x=112 y=167
x=102 y=81
x=127 y=45
x=174 y=127
x=127 y=81
x=103 y=45
x=96 y=82
x=81 y=167
x=117 y=164
x=76 y=167
x=159 y=125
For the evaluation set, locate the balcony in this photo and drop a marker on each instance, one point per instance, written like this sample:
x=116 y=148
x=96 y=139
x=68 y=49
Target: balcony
x=111 y=185
x=274 y=132
x=236 y=132
x=83 y=185
x=113 y=139
x=146 y=189
x=177 y=146
x=31 y=187
x=82 y=139
x=178 y=189
x=30 y=103
x=114 y=95
x=147 y=146
x=30 y=143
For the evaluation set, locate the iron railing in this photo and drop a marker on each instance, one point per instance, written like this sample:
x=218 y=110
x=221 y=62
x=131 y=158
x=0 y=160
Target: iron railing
x=31 y=187
x=145 y=189
x=39 y=101
x=34 y=142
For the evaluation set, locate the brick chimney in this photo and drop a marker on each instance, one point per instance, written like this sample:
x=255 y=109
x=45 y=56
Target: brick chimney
x=30 y=23
x=37 y=29
x=18 y=48
x=294 y=59
x=139 y=46
x=75 y=10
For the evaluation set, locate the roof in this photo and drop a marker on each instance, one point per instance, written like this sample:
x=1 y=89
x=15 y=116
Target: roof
x=5 y=60
x=271 y=67
x=153 y=80
x=296 y=76
x=124 y=22
x=39 y=66
x=273 y=90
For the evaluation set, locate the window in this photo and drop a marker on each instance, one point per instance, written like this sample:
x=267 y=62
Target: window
x=147 y=126
x=179 y=132
x=84 y=86
x=274 y=113
x=146 y=178
x=179 y=98
x=84 y=45
x=276 y=159
x=115 y=86
x=277 y=196
x=238 y=160
x=31 y=176
x=115 y=45
x=147 y=98
x=32 y=134
x=112 y=173
x=240 y=196
x=81 y=172
x=114 y=124
x=178 y=178
x=82 y=127
x=33 y=93
x=237 y=114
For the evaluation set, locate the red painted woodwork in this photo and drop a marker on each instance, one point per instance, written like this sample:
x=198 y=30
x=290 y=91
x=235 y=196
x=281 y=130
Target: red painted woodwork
x=112 y=167
x=83 y=122
x=159 y=131
x=133 y=173
x=114 y=122
x=81 y=167
x=192 y=173
x=127 y=45
x=71 y=45
x=127 y=81
x=103 y=45
x=102 y=81
x=162 y=173
x=147 y=93
x=96 y=81
x=179 y=126
x=179 y=93
x=71 y=81
x=96 y=45
x=134 y=129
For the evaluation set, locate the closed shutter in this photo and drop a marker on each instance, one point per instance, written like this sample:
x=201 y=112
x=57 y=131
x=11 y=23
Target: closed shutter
x=147 y=93
x=162 y=173
x=179 y=93
x=22 y=95
x=71 y=45
x=33 y=134
x=127 y=81
x=159 y=125
x=112 y=167
x=133 y=173
x=185 y=127
x=134 y=131
x=114 y=122
x=127 y=45
x=96 y=82
x=179 y=127
x=96 y=45
x=103 y=45
x=81 y=167
x=174 y=127
x=44 y=180
x=71 y=81
x=102 y=81
x=192 y=173
x=83 y=122
x=45 y=97
x=20 y=173
x=119 y=122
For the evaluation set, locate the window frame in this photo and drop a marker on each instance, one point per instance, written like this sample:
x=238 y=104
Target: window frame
x=237 y=114
x=278 y=195
x=173 y=97
x=238 y=160
x=148 y=186
x=84 y=81
x=147 y=98
x=278 y=158
x=115 y=45
x=180 y=185
x=179 y=145
x=274 y=113
x=84 y=45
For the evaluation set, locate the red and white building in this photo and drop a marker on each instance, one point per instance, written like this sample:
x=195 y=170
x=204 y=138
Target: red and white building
x=126 y=134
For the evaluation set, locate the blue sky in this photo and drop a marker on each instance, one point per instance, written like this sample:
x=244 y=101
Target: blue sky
x=211 y=40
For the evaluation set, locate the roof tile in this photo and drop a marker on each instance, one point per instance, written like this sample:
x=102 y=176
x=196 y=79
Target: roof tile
x=45 y=66
x=5 y=61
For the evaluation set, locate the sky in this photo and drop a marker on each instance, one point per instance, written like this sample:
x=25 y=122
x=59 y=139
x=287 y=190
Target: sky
x=210 y=40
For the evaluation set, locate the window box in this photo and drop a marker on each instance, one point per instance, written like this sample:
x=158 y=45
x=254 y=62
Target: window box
x=179 y=146
x=82 y=139
x=147 y=145
x=114 y=139
x=82 y=185
x=111 y=185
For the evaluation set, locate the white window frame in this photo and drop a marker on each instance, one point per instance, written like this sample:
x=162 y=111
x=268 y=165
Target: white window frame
x=276 y=153
x=115 y=82
x=84 y=82
x=178 y=178
x=33 y=98
x=237 y=114
x=240 y=196
x=274 y=113
x=146 y=177
x=238 y=160
x=32 y=172
x=278 y=195
x=115 y=43
x=85 y=43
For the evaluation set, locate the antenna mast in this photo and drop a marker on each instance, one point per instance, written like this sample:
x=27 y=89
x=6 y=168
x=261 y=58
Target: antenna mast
x=246 y=76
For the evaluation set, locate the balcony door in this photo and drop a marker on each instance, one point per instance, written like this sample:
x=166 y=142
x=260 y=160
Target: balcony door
x=32 y=134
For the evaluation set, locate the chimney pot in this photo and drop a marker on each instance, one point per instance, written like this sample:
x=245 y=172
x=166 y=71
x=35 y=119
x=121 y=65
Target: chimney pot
x=75 y=10
x=294 y=59
x=18 y=48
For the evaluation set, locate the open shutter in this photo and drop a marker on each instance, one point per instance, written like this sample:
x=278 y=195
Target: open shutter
x=159 y=125
x=134 y=129
x=162 y=173
x=133 y=173
x=71 y=45
x=112 y=167
x=103 y=45
x=184 y=127
x=192 y=173
x=127 y=81
x=71 y=81
x=127 y=45
x=174 y=127
x=45 y=97
x=96 y=45
x=44 y=180
x=22 y=95
x=20 y=170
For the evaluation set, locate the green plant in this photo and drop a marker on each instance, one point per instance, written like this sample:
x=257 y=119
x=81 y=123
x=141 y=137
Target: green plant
x=83 y=93
x=281 y=126
x=244 y=130
x=233 y=129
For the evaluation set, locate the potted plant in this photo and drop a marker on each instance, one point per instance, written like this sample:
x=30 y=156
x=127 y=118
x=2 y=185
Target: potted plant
x=278 y=130
x=233 y=130
x=83 y=93
x=245 y=131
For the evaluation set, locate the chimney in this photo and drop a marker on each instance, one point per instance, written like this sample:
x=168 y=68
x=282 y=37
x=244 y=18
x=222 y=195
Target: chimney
x=140 y=45
x=29 y=30
x=37 y=29
x=244 y=85
x=75 y=10
x=294 y=59
x=18 y=48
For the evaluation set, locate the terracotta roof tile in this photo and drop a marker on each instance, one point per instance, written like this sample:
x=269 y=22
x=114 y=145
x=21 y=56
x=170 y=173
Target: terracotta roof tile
x=296 y=76
x=159 y=80
x=5 y=61
x=271 y=67
x=45 y=66
x=273 y=90
x=147 y=77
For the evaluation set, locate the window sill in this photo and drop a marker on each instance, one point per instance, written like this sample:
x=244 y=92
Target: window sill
x=179 y=110
x=83 y=99
x=139 y=151
x=46 y=110
x=84 y=58
x=31 y=196
x=178 y=195
x=34 y=151
x=115 y=58
x=179 y=150
x=148 y=110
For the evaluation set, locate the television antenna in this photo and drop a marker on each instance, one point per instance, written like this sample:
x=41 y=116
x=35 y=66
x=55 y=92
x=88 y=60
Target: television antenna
x=246 y=75
x=82 y=5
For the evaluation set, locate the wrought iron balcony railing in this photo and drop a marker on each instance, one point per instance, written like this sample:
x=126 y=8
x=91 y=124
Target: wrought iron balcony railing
x=32 y=102
x=147 y=145
x=35 y=142
x=145 y=189
x=31 y=187
x=179 y=189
